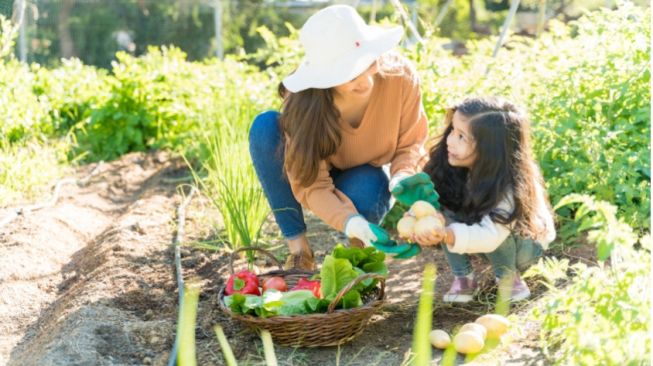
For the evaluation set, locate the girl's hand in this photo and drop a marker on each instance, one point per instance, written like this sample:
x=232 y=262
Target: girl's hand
x=432 y=238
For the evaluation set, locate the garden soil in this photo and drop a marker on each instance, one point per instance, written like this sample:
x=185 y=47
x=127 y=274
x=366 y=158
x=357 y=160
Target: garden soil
x=90 y=280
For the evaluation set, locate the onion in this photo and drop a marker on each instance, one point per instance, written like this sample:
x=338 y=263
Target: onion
x=422 y=209
x=495 y=324
x=439 y=338
x=427 y=224
x=475 y=327
x=468 y=342
x=405 y=226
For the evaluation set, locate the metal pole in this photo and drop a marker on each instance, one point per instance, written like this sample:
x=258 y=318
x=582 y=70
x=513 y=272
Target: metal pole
x=442 y=13
x=541 y=18
x=22 y=43
x=19 y=17
x=414 y=11
x=506 y=24
x=399 y=8
x=217 y=17
x=373 y=12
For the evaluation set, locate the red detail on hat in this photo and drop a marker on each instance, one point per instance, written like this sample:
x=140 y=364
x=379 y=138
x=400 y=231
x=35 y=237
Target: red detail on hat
x=358 y=44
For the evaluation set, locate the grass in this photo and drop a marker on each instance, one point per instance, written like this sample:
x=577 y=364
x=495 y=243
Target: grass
x=27 y=171
x=232 y=186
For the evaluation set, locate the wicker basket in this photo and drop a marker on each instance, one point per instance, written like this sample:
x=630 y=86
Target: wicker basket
x=332 y=328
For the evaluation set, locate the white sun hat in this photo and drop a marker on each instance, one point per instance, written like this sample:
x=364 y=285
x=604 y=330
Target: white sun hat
x=338 y=47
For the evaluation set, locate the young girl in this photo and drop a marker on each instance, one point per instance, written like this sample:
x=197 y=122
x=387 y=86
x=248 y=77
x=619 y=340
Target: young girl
x=492 y=195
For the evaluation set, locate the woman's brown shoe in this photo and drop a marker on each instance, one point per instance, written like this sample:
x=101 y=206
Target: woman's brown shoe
x=302 y=261
x=356 y=243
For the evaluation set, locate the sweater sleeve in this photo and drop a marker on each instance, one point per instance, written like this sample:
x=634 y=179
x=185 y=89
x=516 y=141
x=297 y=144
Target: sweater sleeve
x=483 y=237
x=487 y=235
x=410 y=154
x=322 y=197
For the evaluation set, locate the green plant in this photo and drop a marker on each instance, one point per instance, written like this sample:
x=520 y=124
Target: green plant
x=227 y=353
x=186 y=326
x=233 y=186
x=268 y=348
x=421 y=343
x=602 y=316
x=29 y=159
x=586 y=87
x=28 y=170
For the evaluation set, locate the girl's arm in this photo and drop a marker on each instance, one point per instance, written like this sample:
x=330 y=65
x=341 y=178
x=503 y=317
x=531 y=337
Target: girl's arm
x=484 y=237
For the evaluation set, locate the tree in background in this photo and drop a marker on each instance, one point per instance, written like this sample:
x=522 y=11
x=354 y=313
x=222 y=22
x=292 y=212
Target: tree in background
x=93 y=30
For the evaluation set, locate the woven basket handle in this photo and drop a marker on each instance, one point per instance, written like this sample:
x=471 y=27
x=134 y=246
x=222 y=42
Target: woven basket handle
x=267 y=253
x=355 y=282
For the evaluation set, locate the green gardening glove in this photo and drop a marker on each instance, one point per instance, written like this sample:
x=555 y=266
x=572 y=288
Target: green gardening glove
x=385 y=244
x=392 y=217
x=414 y=250
x=418 y=187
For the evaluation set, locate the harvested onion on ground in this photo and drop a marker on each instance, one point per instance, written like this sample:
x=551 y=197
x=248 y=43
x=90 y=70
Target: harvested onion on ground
x=495 y=324
x=475 y=327
x=439 y=338
x=468 y=342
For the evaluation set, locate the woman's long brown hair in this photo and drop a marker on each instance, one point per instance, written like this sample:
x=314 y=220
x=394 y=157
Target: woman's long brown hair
x=310 y=122
x=504 y=161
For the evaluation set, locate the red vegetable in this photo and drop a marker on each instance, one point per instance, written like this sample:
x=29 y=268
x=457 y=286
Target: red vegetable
x=243 y=282
x=276 y=283
x=305 y=284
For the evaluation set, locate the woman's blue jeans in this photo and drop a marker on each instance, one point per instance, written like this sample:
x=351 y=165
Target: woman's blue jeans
x=365 y=185
x=514 y=254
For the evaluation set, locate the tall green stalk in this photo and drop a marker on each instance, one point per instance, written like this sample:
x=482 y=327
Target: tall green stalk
x=268 y=348
x=232 y=185
x=227 y=353
x=421 y=342
x=186 y=326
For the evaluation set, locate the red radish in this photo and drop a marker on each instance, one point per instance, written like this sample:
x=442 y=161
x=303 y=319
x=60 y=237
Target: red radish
x=305 y=284
x=277 y=283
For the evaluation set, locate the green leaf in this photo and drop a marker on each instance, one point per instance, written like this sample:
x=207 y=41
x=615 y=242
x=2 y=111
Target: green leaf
x=335 y=274
x=243 y=304
x=352 y=299
x=376 y=267
x=603 y=250
x=238 y=284
x=294 y=302
x=365 y=283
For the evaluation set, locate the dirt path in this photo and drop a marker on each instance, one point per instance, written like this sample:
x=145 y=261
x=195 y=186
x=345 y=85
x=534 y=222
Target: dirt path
x=77 y=280
x=90 y=281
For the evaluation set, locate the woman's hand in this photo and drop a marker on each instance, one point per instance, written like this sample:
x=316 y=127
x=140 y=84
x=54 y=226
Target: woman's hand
x=418 y=187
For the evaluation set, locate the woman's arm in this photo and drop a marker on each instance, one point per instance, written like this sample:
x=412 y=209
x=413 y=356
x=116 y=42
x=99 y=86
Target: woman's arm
x=324 y=199
x=410 y=154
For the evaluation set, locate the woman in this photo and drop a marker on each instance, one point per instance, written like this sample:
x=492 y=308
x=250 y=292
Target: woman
x=350 y=107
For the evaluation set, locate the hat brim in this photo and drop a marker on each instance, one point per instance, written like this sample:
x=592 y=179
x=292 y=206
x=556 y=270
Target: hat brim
x=346 y=67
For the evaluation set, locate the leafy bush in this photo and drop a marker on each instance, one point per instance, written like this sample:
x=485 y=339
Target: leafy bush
x=586 y=86
x=602 y=317
x=24 y=114
x=160 y=100
x=27 y=160
x=71 y=91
